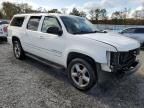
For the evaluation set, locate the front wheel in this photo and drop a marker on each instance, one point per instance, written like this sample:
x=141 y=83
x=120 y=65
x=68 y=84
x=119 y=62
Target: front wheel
x=81 y=74
x=17 y=49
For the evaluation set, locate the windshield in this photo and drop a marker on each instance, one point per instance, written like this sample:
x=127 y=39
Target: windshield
x=78 y=25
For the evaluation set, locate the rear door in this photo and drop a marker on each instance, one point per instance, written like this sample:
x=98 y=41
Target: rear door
x=32 y=35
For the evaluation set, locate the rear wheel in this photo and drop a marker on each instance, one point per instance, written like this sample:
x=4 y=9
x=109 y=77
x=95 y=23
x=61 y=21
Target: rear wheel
x=81 y=74
x=17 y=49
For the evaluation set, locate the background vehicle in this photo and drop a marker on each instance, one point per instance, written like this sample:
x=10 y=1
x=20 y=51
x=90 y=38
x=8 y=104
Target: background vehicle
x=73 y=43
x=3 y=30
x=135 y=33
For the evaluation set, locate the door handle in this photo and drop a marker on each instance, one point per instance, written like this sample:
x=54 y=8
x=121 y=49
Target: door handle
x=41 y=37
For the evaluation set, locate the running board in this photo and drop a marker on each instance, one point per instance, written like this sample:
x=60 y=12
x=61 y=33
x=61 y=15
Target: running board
x=44 y=61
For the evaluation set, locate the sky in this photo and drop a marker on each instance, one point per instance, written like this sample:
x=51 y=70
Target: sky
x=110 y=5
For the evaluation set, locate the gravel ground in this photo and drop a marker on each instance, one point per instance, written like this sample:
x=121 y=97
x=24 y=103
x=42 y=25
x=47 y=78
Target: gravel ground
x=30 y=84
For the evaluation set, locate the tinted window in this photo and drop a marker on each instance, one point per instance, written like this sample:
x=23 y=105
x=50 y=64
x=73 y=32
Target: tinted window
x=139 y=30
x=17 y=21
x=34 y=23
x=49 y=22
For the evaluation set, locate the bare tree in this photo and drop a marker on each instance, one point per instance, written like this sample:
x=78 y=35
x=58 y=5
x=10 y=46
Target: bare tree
x=64 y=10
x=92 y=14
x=82 y=14
x=139 y=14
x=54 y=11
x=97 y=14
x=103 y=14
x=117 y=15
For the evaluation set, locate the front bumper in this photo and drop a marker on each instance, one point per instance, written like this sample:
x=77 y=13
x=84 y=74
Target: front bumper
x=132 y=69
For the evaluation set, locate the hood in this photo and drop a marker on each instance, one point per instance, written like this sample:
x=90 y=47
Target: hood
x=121 y=43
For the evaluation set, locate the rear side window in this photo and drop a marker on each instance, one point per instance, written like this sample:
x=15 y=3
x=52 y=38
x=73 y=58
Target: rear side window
x=17 y=21
x=33 y=23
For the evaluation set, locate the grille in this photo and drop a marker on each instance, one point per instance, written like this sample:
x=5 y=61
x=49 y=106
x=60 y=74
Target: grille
x=124 y=59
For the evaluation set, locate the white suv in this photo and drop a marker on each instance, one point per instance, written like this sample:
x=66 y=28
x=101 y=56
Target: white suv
x=73 y=43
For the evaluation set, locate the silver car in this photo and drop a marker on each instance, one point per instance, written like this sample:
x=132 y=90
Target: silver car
x=135 y=33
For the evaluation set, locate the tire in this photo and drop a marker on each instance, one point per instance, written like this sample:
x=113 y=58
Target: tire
x=3 y=39
x=18 y=51
x=81 y=74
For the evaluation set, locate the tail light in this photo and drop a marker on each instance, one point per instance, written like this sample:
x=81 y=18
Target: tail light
x=5 y=29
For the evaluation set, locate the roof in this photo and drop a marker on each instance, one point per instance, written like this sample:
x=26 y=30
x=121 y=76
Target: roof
x=37 y=14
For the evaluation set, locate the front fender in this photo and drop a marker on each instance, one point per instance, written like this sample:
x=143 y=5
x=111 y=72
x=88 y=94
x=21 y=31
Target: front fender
x=96 y=51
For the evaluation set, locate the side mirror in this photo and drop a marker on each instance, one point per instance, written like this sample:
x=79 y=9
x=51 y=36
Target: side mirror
x=55 y=30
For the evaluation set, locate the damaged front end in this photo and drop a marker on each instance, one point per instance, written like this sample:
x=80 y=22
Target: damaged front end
x=124 y=61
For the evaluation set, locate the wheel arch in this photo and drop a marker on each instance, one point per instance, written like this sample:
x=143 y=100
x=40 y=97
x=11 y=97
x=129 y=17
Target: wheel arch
x=73 y=55
x=15 y=38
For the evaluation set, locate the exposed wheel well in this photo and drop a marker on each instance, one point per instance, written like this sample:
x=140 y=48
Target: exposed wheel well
x=74 y=55
x=14 y=38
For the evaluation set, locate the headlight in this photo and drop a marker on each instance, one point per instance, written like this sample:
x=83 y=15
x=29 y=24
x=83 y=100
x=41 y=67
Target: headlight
x=112 y=58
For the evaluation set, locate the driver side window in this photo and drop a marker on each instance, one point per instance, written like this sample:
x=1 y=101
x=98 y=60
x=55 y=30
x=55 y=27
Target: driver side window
x=49 y=22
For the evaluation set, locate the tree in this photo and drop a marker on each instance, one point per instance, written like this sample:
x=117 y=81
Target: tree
x=54 y=11
x=139 y=14
x=24 y=8
x=82 y=14
x=41 y=10
x=75 y=12
x=97 y=14
x=1 y=14
x=64 y=10
x=78 y=13
x=103 y=14
x=92 y=14
x=117 y=17
x=9 y=9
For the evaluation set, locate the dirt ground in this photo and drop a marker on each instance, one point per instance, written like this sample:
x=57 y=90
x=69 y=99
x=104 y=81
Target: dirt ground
x=31 y=84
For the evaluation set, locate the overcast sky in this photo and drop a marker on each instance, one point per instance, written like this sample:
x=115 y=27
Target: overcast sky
x=110 y=5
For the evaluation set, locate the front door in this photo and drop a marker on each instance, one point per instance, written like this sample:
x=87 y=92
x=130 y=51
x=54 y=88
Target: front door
x=51 y=45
